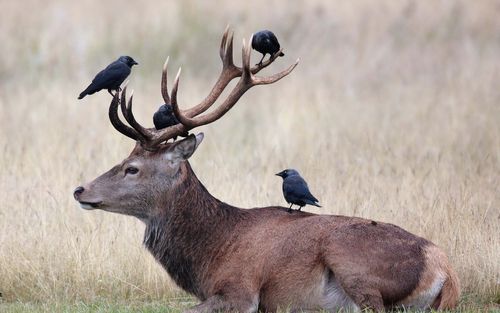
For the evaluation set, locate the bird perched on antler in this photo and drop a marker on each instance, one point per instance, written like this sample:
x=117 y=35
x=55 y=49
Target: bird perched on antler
x=111 y=77
x=165 y=117
x=295 y=189
x=266 y=42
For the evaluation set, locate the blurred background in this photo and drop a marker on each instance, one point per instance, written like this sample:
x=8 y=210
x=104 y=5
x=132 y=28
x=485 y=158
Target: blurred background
x=393 y=114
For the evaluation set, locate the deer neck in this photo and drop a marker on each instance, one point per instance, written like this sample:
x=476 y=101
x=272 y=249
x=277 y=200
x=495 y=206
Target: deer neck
x=189 y=231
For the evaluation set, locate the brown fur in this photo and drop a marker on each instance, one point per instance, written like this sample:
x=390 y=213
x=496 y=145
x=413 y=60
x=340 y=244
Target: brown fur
x=437 y=274
x=450 y=292
x=266 y=258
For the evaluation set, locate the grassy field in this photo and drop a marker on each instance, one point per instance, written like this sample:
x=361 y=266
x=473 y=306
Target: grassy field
x=171 y=305
x=393 y=114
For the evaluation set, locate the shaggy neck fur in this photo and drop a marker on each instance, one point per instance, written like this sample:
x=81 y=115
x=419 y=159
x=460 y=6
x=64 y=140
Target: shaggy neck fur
x=190 y=230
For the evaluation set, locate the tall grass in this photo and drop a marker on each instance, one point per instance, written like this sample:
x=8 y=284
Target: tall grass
x=392 y=114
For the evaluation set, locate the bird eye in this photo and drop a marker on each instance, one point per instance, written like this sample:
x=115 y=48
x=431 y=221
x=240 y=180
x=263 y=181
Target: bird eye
x=131 y=170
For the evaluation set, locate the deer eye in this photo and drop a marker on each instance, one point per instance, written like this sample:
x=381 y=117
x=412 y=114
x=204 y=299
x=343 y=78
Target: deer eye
x=131 y=170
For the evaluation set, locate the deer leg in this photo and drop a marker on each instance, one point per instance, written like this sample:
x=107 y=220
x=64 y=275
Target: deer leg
x=362 y=293
x=219 y=303
x=370 y=299
x=212 y=304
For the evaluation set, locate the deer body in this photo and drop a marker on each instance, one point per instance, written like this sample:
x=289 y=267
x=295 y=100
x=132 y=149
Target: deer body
x=267 y=258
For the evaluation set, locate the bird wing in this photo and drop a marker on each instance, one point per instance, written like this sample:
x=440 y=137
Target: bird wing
x=164 y=117
x=274 y=41
x=297 y=186
x=116 y=71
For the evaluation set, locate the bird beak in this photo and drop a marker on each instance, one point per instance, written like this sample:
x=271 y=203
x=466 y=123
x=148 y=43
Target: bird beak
x=280 y=174
x=135 y=63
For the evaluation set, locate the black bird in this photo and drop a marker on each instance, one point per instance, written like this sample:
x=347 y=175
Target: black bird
x=165 y=117
x=266 y=42
x=111 y=77
x=295 y=189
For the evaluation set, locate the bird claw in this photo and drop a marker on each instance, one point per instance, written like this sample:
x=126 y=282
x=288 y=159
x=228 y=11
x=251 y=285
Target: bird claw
x=110 y=91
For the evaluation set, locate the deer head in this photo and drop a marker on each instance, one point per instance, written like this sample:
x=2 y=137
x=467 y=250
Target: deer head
x=148 y=177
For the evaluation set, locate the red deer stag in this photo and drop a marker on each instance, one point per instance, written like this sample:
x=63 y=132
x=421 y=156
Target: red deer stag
x=247 y=260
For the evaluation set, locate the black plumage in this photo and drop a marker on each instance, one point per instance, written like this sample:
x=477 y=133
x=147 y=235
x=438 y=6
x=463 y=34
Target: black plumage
x=266 y=42
x=295 y=189
x=111 y=77
x=165 y=117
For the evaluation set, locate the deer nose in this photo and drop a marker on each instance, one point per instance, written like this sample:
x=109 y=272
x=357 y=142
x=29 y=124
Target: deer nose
x=78 y=191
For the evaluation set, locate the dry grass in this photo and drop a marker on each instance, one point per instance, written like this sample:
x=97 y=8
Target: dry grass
x=392 y=114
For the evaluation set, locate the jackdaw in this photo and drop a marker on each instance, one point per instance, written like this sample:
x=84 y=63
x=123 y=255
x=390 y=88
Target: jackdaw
x=295 y=189
x=111 y=77
x=165 y=117
x=266 y=42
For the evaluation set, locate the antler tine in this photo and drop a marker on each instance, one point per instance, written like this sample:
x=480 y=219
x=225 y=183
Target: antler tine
x=132 y=121
x=123 y=101
x=226 y=48
x=188 y=122
x=222 y=49
x=164 y=87
x=245 y=60
x=228 y=60
x=118 y=124
x=274 y=78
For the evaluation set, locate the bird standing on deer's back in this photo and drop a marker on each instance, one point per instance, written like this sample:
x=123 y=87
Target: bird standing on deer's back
x=266 y=42
x=111 y=77
x=295 y=189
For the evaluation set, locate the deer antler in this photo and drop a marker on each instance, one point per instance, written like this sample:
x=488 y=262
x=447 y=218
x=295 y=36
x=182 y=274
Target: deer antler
x=151 y=138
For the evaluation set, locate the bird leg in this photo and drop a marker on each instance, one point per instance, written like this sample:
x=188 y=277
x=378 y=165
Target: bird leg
x=117 y=90
x=300 y=208
x=260 y=62
x=290 y=208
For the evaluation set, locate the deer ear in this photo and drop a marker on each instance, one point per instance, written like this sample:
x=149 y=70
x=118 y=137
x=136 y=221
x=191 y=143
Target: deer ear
x=183 y=149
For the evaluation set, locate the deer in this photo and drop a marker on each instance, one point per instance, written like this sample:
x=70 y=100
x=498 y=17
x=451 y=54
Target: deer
x=265 y=258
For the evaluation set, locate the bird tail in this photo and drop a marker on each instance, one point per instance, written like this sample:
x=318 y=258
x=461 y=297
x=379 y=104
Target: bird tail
x=315 y=203
x=281 y=54
x=88 y=91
